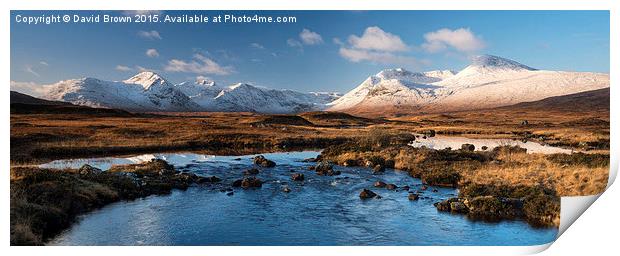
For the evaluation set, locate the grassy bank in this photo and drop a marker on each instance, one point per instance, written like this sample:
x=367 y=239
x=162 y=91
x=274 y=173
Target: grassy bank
x=45 y=201
x=502 y=183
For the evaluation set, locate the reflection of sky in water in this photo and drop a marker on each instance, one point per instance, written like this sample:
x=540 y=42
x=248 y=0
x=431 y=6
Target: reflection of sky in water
x=442 y=142
x=318 y=211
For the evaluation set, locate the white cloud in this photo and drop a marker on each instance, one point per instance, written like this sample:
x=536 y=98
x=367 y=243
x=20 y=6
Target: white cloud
x=153 y=34
x=153 y=53
x=376 y=46
x=257 y=46
x=123 y=68
x=374 y=38
x=29 y=88
x=295 y=44
x=462 y=40
x=198 y=65
x=310 y=38
x=43 y=63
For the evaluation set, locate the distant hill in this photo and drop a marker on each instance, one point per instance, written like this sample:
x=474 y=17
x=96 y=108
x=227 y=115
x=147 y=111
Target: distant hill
x=595 y=100
x=26 y=104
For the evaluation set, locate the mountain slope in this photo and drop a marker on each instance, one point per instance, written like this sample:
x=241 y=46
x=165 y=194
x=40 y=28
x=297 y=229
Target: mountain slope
x=489 y=81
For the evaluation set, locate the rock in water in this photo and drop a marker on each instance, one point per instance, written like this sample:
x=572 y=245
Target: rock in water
x=413 y=197
x=297 y=177
x=391 y=186
x=380 y=184
x=325 y=169
x=367 y=194
x=251 y=182
x=263 y=162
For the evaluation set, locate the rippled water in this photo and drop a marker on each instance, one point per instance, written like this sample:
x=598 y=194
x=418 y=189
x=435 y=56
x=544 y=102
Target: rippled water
x=319 y=211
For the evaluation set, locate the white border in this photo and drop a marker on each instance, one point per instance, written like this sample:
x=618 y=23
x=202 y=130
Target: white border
x=297 y=5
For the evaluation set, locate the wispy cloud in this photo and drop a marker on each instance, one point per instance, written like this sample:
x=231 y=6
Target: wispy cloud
x=295 y=44
x=43 y=63
x=153 y=34
x=200 y=65
x=30 y=70
x=309 y=37
x=153 y=53
x=29 y=88
x=123 y=68
x=257 y=46
x=461 y=40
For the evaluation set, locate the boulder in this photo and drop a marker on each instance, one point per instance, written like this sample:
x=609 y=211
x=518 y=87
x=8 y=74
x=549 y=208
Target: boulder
x=468 y=147
x=391 y=187
x=413 y=197
x=367 y=194
x=325 y=169
x=458 y=207
x=297 y=177
x=286 y=189
x=263 y=162
x=251 y=182
x=379 y=184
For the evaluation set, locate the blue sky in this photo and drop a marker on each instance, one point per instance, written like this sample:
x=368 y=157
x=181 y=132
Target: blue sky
x=321 y=51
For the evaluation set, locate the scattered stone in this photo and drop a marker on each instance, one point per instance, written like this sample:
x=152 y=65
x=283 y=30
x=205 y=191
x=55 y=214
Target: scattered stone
x=380 y=184
x=435 y=190
x=298 y=177
x=237 y=159
x=230 y=193
x=286 y=189
x=391 y=187
x=367 y=194
x=406 y=188
x=525 y=122
x=413 y=197
x=263 y=162
x=424 y=187
x=252 y=171
x=484 y=148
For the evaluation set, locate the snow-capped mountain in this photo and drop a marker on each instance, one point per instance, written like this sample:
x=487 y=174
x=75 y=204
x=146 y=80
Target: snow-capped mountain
x=489 y=81
x=148 y=91
x=145 y=91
